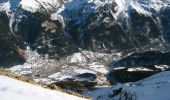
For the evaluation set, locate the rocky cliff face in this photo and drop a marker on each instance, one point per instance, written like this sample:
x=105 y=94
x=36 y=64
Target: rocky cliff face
x=101 y=26
x=11 y=46
x=42 y=34
x=111 y=27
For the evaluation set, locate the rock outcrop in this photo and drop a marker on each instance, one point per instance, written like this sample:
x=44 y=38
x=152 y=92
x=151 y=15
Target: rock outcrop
x=11 y=46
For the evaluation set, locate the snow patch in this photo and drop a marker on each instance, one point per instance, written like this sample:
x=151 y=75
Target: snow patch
x=30 y=5
x=38 y=5
x=139 y=9
x=5 y=6
x=79 y=58
x=138 y=69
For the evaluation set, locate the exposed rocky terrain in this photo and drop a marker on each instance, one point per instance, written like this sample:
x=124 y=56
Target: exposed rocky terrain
x=12 y=48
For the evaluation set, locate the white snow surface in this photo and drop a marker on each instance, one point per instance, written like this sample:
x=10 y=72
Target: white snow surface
x=138 y=69
x=5 y=6
x=156 y=87
x=145 y=7
x=17 y=90
x=34 y=5
x=78 y=57
x=137 y=6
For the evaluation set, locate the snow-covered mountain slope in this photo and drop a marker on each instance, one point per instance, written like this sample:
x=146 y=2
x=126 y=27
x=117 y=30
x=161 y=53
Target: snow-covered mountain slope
x=5 y=6
x=83 y=8
x=155 y=87
x=88 y=5
x=17 y=90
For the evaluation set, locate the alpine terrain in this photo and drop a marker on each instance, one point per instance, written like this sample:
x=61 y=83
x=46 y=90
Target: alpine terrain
x=100 y=49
